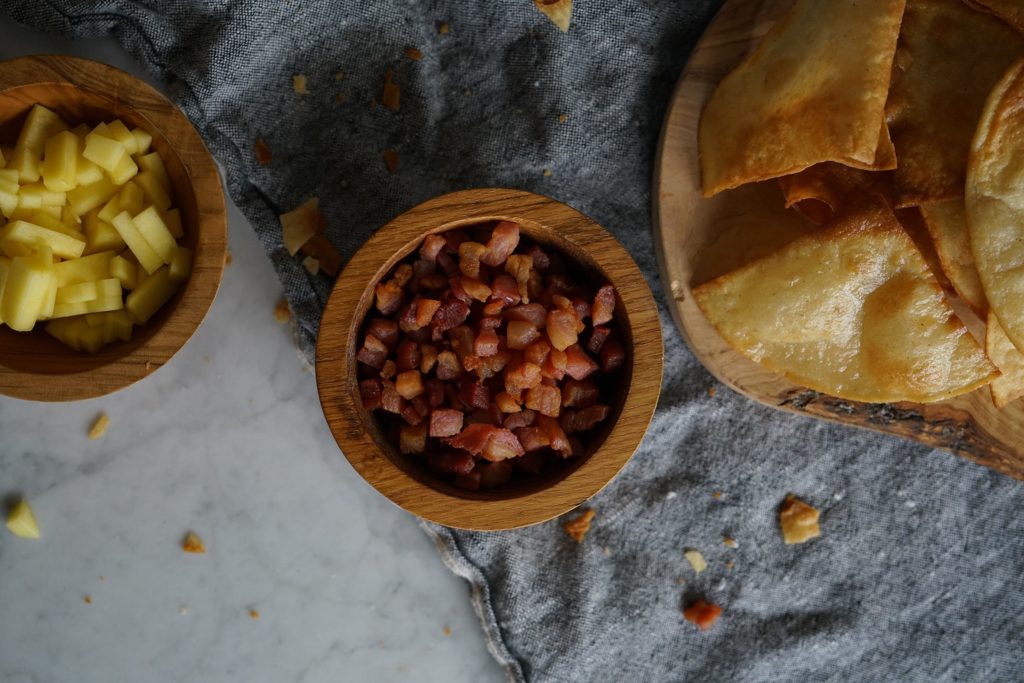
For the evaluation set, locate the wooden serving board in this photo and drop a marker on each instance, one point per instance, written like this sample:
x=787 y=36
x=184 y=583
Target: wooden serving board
x=698 y=239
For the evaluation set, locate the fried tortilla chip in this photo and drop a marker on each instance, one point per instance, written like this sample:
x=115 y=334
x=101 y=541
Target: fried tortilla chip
x=1010 y=11
x=1009 y=386
x=826 y=191
x=947 y=226
x=850 y=310
x=813 y=90
x=995 y=202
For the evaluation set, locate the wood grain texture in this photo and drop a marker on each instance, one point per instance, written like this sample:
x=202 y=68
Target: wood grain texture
x=698 y=239
x=399 y=477
x=34 y=365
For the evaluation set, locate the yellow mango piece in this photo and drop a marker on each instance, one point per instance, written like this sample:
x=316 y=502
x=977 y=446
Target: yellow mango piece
x=9 y=181
x=125 y=271
x=103 y=151
x=117 y=130
x=142 y=140
x=19 y=234
x=26 y=163
x=124 y=171
x=40 y=124
x=110 y=209
x=85 y=198
x=87 y=172
x=154 y=164
x=60 y=162
x=152 y=228
x=153 y=190
x=181 y=264
x=121 y=324
x=5 y=265
x=35 y=195
x=86 y=269
x=22 y=522
x=150 y=294
x=80 y=131
x=67 y=331
x=89 y=291
x=140 y=247
x=27 y=289
x=99 y=235
x=95 y=306
x=46 y=310
x=69 y=219
x=44 y=217
x=172 y=219
x=131 y=199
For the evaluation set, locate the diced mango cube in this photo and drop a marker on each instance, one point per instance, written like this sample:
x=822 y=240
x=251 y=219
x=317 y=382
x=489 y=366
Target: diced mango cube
x=130 y=199
x=124 y=171
x=21 y=522
x=153 y=190
x=80 y=131
x=69 y=219
x=82 y=307
x=151 y=226
x=142 y=140
x=110 y=209
x=35 y=195
x=89 y=291
x=85 y=198
x=67 y=330
x=27 y=289
x=154 y=164
x=17 y=235
x=40 y=124
x=103 y=151
x=117 y=130
x=121 y=324
x=125 y=271
x=140 y=247
x=60 y=162
x=172 y=219
x=87 y=172
x=181 y=264
x=100 y=235
x=150 y=295
x=44 y=217
x=86 y=269
x=46 y=310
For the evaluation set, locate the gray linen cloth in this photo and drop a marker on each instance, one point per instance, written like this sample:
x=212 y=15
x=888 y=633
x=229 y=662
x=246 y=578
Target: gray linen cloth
x=918 y=573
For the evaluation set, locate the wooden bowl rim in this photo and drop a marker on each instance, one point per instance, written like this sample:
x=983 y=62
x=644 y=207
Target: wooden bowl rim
x=201 y=288
x=338 y=325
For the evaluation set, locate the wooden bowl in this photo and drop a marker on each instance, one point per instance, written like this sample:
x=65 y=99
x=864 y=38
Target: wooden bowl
x=404 y=480
x=34 y=365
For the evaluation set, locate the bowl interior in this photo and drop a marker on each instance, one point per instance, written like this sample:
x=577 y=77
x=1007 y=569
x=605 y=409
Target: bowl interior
x=614 y=388
x=37 y=352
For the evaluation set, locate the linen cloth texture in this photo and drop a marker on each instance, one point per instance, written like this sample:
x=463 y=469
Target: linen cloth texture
x=918 y=573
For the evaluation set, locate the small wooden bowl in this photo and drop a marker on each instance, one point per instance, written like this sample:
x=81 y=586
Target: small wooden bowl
x=401 y=478
x=35 y=366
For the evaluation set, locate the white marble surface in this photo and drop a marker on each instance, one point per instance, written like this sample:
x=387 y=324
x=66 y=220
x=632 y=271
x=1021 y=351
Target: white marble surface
x=226 y=440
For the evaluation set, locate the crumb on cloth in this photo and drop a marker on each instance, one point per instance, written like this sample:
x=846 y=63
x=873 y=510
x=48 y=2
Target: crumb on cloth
x=262 y=151
x=579 y=526
x=390 y=160
x=696 y=560
x=299 y=84
x=282 y=313
x=798 y=521
x=702 y=613
x=413 y=53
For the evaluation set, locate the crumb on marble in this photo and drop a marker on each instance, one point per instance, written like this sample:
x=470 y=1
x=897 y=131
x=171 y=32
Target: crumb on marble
x=579 y=526
x=254 y=614
x=183 y=610
x=193 y=544
x=263 y=154
x=87 y=599
x=413 y=53
x=99 y=427
x=103 y=578
x=696 y=560
x=206 y=359
x=299 y=84
x=447 y=630
x=730 y=542
x=282 y=313
x=798 y=521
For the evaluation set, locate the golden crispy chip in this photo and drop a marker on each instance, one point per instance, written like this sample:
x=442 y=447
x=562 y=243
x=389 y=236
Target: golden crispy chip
x=327 y=257
x=826 y=191
x=850 y=310
x=814 y=90
x=995 y=202
x=558 y=11
x=1010 y=11
x=798 y=521
x=947 y=226
x=1009 y=386
x=577 y=527
x=299 y=224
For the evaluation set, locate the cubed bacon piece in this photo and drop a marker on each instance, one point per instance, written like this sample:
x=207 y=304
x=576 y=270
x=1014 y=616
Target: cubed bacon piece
x=521 y=419
x=407 y=357
x=450 y=314
x=524 y=376
x=473 y=438
x=520 y=334
x=448 y=264
x=407 y=319
x=612 y=355
x=445 y=422
x=448 y=366
x=580 y=394
x=504 y=240
x=493 y=308
x=561 y=329
x=425 y=310
x=604 y=305
x=453 y=238
x=553 y=366
x=447 y=462
x=421 y=269
x=537 y=352
x=369 y=392
x=457 y=291
x=535 y=286
x=412 y=438
x=578 y=364
x=470 y=482
x=433 y=282
x=559 y=441
x=535 y=314
x=490 y=323
x=541 y=261
x=576 y=445
x=506 y=403
x=574 y=421
x=561 y=302
x=469 y=258
x=502 y=445
x=472 y=362
x=435 y=392
x=486 y=343
x=384 y=330
x=373 y=353
x=532 y=438
x=410 y=415
x=474 y=394
x=493 y=474
x=388 y=297
x=390 y=399
x=520 y=267
x=432 y=246
x=492 y=365
x=530 y=462
x=582 y=308
x=428 y=357
x=544 y=399
x=598 y=336
x=489 y=416
x=409 y=384
x=505 y=290
x=389 y=370
x=475 y=289
x=403 y=273
x=421 y=405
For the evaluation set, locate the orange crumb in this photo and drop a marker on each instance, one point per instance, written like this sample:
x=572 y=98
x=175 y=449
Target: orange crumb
x=562 y=118
x=390 y=160
x=443 y=28
x=579 y=526
x=717 y=495
x=263 y=153
x=392 y=95
x=558 y=11
x=88 y=599
x=228 y=258
x=320 y=248
x=447 y=630
x=413 y=54
x=282 y=313
x=730 y=542
x=253 y=614
x=711 y=391
x=193 y=544
x=702 y=613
